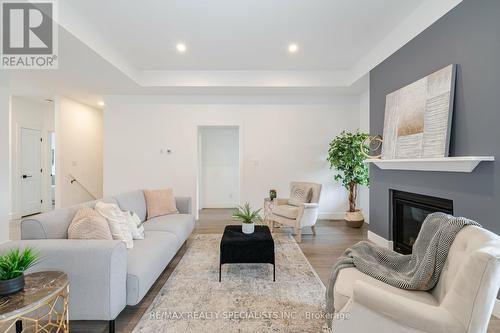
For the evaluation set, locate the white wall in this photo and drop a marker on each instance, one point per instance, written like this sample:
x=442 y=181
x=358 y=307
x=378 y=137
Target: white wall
x=284 y=138
x=28 y=113
x=220 y=167
x=4 y=163
x=364 y=126
x=78 y=150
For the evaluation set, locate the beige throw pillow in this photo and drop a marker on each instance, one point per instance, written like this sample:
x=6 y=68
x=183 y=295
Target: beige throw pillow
x=88 y=224
x=299 y=195
x=160 y=202
x=117 y=221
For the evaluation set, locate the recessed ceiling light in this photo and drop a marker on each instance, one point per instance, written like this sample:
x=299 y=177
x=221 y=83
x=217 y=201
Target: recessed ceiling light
x=181 y=47
x=49 y=100
x=292 y=48
x=100 y=103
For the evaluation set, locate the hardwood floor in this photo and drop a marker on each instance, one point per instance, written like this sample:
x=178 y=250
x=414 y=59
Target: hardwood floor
x=332 y=238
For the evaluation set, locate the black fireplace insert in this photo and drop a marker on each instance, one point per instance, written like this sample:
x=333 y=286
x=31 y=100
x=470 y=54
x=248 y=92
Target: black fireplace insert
x=409 y=211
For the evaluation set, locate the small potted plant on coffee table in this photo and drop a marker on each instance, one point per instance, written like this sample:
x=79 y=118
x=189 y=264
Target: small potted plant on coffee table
x=248 y=217
x=12 y=267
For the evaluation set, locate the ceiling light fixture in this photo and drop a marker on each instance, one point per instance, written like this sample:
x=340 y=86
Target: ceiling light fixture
x=181 y=47
x=100 y=103
x=293 y=48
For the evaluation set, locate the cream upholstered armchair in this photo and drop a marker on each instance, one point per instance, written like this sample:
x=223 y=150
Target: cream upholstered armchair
x=461 y=302
x=300 y=210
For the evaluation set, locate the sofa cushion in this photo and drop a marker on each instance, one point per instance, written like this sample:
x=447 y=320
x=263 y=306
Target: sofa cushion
x=134 y=202
x=343 y=289
x=117 y=221
x=299 y=194
x=181 y=225
x=287 y=211
x=89 y=224
x=53 y=224
x=160 y=202
x=146 y=261
x=134 y=225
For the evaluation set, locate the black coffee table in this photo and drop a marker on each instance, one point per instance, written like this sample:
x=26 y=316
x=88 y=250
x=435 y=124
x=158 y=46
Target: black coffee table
x=239 y=248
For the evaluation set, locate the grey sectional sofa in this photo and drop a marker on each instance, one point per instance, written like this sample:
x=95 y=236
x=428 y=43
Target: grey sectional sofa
x=105 y=276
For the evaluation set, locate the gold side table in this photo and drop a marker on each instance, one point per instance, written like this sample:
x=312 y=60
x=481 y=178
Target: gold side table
x=41 y=307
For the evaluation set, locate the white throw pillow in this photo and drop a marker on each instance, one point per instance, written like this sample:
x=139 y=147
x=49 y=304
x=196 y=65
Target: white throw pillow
x=117 y=221
x=135 y=225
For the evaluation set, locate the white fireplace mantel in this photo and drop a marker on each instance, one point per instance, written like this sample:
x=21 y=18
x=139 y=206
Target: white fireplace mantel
x=446 y=164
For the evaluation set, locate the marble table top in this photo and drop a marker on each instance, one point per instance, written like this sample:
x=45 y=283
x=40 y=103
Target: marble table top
x=39 y=287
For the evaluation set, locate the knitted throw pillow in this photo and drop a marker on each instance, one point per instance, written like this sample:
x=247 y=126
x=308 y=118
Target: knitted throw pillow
x=88 y=224
x=299 y=195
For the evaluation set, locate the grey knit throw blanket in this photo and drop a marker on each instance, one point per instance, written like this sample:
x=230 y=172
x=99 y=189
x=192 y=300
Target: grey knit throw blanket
x=417 y=271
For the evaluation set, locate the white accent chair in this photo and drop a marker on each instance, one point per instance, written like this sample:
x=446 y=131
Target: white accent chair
x=304 y=215
x=462 y=300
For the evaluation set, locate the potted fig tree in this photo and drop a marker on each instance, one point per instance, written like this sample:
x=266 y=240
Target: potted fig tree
x=248 y=217
x=12 y=267
x=346 y=158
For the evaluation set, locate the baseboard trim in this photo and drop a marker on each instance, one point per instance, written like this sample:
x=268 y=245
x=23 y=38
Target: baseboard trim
x=331 y=216
x=336 y=216
x=496 y=309
x=379 y=240
x=222 y=205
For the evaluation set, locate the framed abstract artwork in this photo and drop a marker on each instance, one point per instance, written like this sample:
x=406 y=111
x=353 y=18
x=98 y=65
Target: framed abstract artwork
x=417 y=121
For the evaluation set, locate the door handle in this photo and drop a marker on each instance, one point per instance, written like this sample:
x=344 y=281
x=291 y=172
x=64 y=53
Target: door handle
x=27 y=176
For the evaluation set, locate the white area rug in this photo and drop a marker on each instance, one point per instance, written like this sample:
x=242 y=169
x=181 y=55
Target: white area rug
x=247 y=299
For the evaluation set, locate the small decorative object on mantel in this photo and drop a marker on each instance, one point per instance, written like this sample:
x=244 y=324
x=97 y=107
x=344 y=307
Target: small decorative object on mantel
x=12 y=268
x=374 y=144
x=417 y=121
x=273 y=194
x=248 y=217
x=348 y=161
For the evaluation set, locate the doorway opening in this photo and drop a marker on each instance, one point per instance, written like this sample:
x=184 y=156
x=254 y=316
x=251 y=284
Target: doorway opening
x=32 y=156
x=218 y=166
x=31 y=171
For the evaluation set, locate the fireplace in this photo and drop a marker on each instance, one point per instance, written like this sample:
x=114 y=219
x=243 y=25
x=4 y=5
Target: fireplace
x=409 y=211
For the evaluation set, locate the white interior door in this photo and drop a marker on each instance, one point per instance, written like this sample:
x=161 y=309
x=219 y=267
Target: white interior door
x=219 y=167
x=31 y=171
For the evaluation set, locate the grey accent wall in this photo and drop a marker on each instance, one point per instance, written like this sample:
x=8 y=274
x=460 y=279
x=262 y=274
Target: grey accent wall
x=468 y=36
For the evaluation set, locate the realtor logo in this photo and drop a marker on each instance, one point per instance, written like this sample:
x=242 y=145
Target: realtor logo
x=29 y=35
